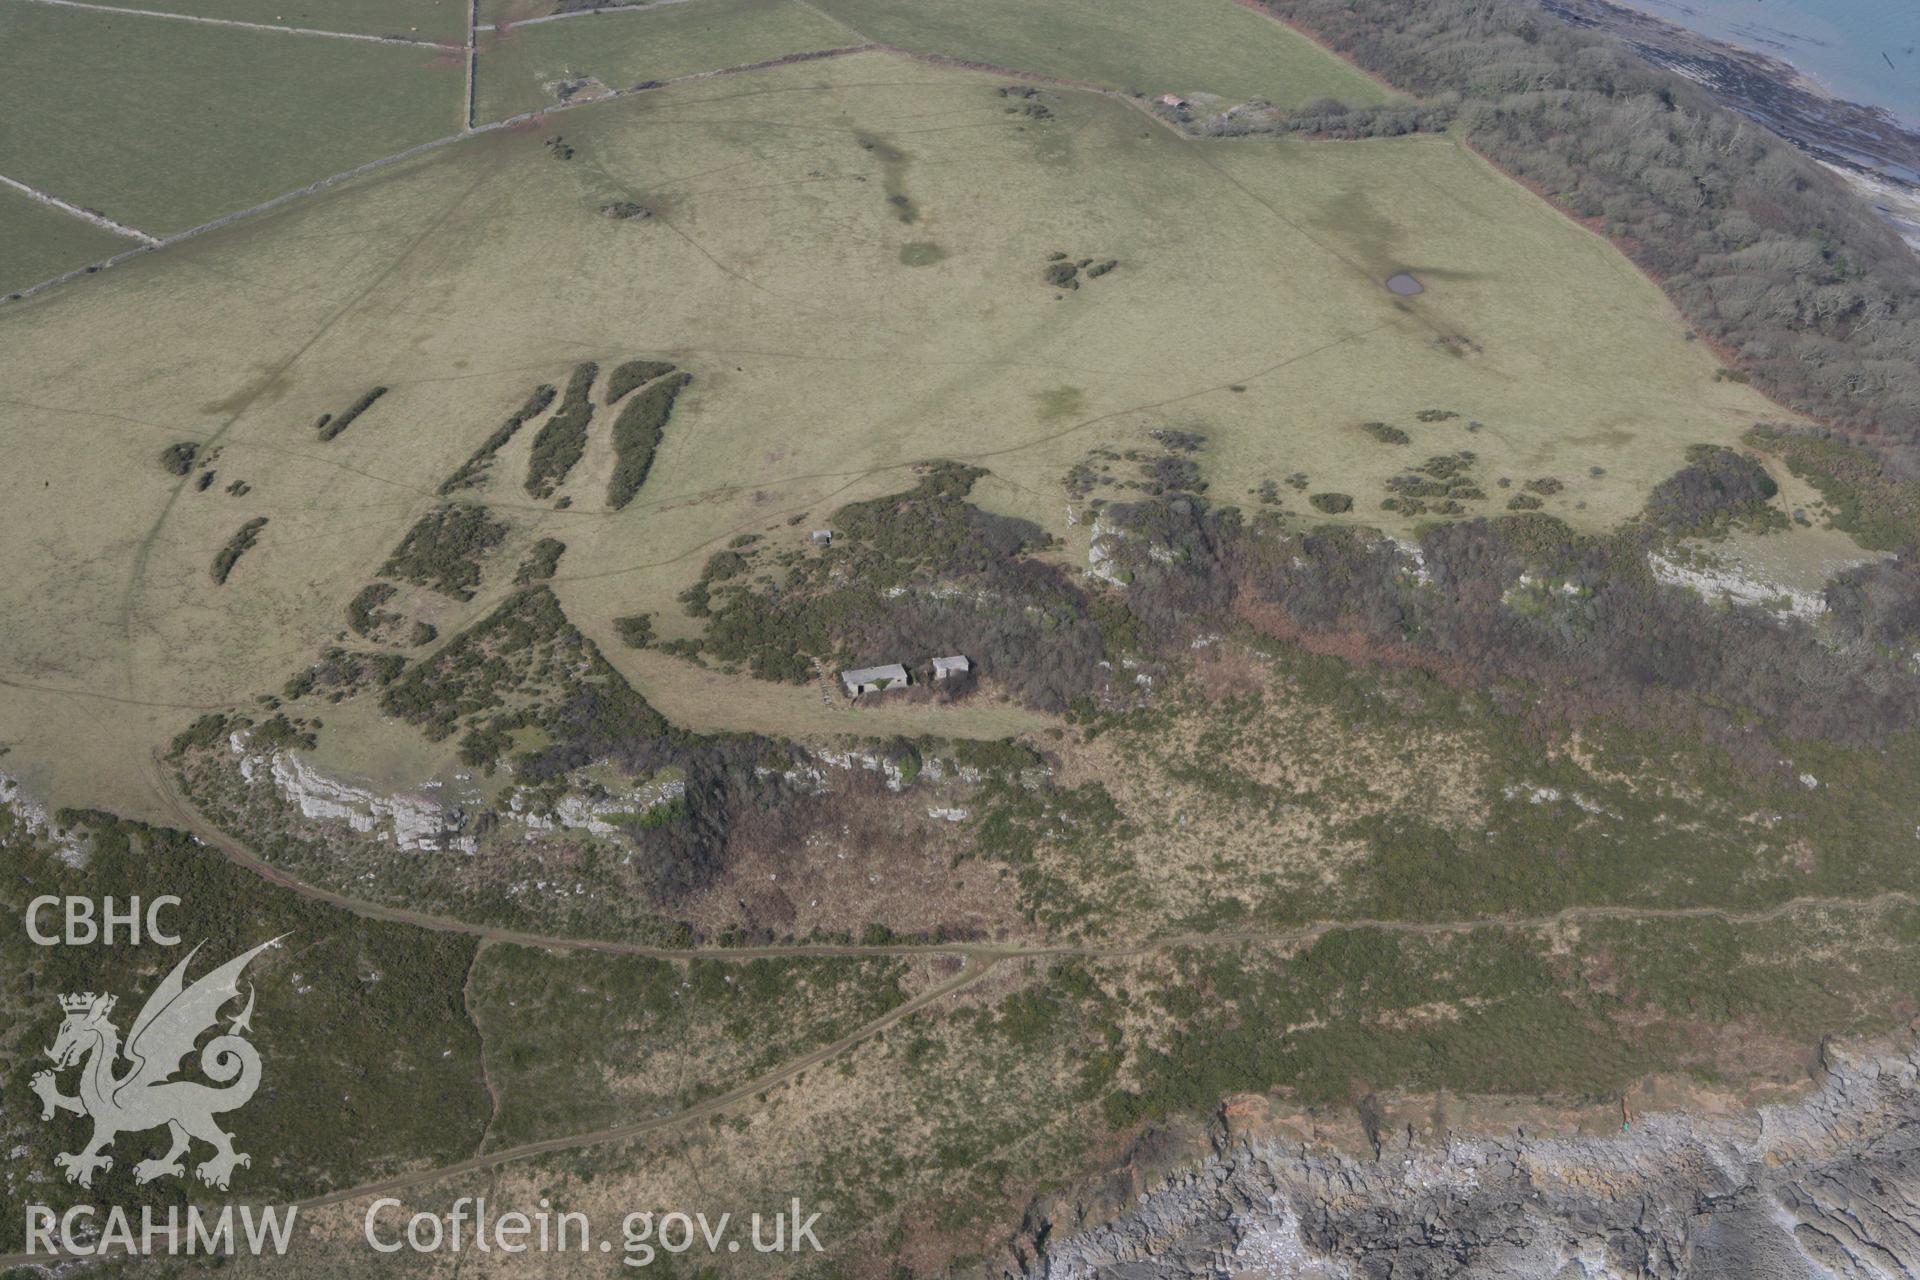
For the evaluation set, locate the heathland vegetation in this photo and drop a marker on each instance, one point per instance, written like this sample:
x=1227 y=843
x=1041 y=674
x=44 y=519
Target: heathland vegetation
x=340 y=992
x=1316 y=343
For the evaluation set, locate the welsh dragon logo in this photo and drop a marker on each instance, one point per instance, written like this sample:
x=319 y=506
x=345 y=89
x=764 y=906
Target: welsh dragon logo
x=144 y=1095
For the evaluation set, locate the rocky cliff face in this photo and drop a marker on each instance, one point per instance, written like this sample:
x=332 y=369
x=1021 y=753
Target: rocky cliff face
x=1826 y=1186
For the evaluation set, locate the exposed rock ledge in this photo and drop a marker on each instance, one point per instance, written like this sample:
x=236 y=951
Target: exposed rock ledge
x=1826 y=1186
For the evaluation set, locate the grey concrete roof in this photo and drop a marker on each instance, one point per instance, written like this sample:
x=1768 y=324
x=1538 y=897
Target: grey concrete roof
x=893 y=671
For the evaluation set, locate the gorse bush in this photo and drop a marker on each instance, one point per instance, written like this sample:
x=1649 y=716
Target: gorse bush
x=635 y=632
x=365 y=616
x=1716 y=487
x=474 y=469
x=329 y=426
x=636 y=436
x=238 y=545
x=1867 y=499
x=563 y=438
x=1385 y=433
x=341 y=673
x=634 y=373
x=177 y=459
x=444 y=548
x=542 y=559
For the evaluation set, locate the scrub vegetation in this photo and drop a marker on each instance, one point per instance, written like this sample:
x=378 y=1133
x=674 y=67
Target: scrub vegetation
x=563 y=438
x=638 y=430
x=238 y=545
x=340 y=991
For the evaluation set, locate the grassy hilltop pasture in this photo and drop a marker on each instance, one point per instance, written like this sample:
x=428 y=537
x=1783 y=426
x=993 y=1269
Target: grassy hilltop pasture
x=621 y=49
x=165 y=125
x=515 y=10
x=41 y=241
x=1188 y=47
x=444 y=21
x=786 y=208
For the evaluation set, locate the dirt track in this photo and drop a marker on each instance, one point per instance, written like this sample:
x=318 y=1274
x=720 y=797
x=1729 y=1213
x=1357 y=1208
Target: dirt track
x=193 y=821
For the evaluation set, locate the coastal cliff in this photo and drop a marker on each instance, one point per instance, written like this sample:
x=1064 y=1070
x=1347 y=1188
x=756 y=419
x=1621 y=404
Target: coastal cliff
x=1826 y=1184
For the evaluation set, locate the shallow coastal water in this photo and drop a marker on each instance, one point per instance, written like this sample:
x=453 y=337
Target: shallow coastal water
x=1866 y=51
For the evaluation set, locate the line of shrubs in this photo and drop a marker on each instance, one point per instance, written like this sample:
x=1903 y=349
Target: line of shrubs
x=563 y=439
x=238 y=545
x=329 y=426
x=633 y=373
x=636 y=436
x=474 y=469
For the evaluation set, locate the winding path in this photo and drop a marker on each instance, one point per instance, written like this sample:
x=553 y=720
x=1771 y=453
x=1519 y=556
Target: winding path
x=192 y=820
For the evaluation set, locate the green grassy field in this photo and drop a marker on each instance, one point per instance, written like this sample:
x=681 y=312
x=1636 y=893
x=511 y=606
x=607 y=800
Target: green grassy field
x=165 y=125
x=41 y=241
x=441 y=20
x=514 y=10
x=622 y=49
x=1147 y=46
x=823 y=365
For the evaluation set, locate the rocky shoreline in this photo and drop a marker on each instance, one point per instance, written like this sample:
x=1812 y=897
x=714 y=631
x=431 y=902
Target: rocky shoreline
x=1826 y=1184
x=1866 y=145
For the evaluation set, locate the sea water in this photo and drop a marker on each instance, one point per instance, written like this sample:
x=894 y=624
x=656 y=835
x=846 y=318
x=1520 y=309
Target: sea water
x=1866 y=51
